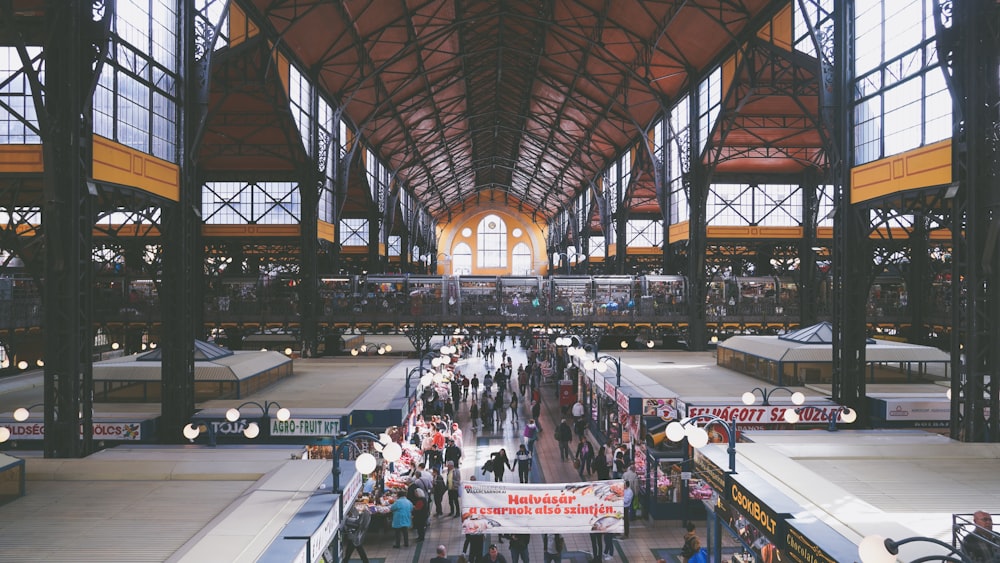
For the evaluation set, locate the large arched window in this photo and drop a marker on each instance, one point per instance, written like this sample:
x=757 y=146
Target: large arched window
x=461 y=260
x=520 y=262
x=492 y=239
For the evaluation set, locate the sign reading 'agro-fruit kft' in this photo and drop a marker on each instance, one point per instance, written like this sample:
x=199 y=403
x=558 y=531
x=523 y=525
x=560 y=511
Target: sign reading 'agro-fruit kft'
x=305 y=427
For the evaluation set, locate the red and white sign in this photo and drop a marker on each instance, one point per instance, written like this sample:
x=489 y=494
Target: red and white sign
x=760 y=414
x=543 y=508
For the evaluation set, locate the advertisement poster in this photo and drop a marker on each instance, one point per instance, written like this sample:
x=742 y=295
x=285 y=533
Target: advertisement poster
x=542 y=508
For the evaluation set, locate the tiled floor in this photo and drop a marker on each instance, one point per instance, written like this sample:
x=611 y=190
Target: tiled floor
x=647 y=540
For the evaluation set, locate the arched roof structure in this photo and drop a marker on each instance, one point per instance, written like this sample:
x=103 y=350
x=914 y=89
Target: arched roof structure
x=533 y=99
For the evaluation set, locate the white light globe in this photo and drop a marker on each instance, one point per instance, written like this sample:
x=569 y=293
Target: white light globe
x=872 y=550
x=384 y=438
x=252 y=430
x=589 y=365
x=623 y=344
x=791 y=416
x=365 y=463
x=798 y=398
x=354 y=351
x=749 y=398
x=4 y=434
x=191 y=432
x=602 y=367
x=849 y=415
x=284 y=414
x=21 y=414
x=392 y=452
x=697 y=437
x=427 y=380
x=232 y=415
x=675 y=431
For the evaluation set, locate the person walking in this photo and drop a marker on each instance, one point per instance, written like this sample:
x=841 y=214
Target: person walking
x=609 y=546
x=530 y=434
x=473 y=546
x=519 y=547
x=600 y=465
x=628 y=496
x=500 y=464
x=513 y=406
x=493 y=555
x=536 y=412
x=596 y=545
x=440 y=557
x=475 y=387
x=421 y=510
x=552 y=547
x=474 y=413
x=522 y=460
x=402 y=519
x=453 y=482
x=584 y=455
x=438 y=490
x=692 y=544
x=355 y=528
x=563 y=435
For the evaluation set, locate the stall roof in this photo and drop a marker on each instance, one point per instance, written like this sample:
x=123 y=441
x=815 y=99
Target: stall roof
x=783 y=350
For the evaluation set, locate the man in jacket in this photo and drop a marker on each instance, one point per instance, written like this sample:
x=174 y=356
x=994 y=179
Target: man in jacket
x=453 y=480
x=563 y=435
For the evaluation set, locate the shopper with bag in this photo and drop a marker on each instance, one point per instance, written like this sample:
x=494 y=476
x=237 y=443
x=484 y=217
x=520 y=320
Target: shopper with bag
x=355 y=527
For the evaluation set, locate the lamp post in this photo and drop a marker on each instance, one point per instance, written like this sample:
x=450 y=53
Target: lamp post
x=600 y=365
x=877 y=549
x=750 y=396
x=840 y=414
x=253 y=429
x=365 y=462
x=697 y=437
x=409 y=374
x=380 y=348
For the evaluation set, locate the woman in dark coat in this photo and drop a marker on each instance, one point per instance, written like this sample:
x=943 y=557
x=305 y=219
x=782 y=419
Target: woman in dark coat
x=500 y=464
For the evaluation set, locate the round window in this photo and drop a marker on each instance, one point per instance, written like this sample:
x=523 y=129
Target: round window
x=467 y=232
x=492 y=225
x=516 y=233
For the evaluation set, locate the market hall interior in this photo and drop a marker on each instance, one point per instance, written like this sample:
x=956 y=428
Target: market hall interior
x=214 y=487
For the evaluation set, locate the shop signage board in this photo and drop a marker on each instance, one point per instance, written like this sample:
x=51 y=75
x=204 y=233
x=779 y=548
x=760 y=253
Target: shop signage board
x=763 y=517
x=709 y=472
x=760 y=414
x=816 y=542
x=305 y=427
x=114 y=431
x=540 y=508
x=910 y=411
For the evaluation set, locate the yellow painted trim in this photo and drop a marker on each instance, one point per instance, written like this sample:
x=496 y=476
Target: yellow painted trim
x=354 y=250
x=678 y=232
x=325 y=231
x=284 y=72
x=129 y=231
x=250 y=231
x=727 y=232
x=22 y=159
x=919 y=168
x=239 y=25
x=778 y=31
x=824 y=232
x=644 y=250
x=729 y=67
x=900 y=233
x=118 y=164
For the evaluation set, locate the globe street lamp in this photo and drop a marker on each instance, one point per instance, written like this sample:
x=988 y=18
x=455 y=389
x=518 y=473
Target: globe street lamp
x=600 y=366
x=365 y=463
x=877 y=549
x=750 y=397
x=832 y=417
x=697 y=436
